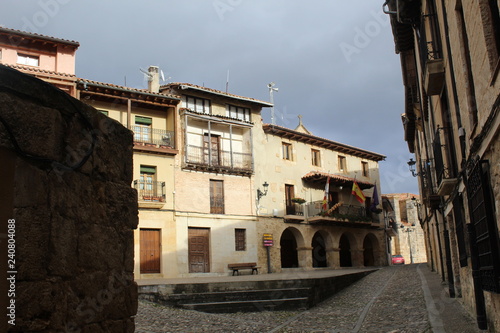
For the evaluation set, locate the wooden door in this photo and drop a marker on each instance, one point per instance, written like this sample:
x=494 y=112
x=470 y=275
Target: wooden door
x=198 y=249
x=150 y=251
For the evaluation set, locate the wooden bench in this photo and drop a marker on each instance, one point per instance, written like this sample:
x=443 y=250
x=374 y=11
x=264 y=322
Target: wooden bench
x=245 y=265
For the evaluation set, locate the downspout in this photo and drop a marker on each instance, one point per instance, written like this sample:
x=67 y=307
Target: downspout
x=129 y=113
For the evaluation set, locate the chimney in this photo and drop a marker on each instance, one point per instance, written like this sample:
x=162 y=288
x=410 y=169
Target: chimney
x=154 y=79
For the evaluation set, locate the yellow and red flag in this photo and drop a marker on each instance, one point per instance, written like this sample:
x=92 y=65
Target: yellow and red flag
x=358 y=194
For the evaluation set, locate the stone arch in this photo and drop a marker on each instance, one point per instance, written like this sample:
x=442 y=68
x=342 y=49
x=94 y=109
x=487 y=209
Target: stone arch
x=319 y=249
x=290 y=241
x=347 y=245
x=371 y=250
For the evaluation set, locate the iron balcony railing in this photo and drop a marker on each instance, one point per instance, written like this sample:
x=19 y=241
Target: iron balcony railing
x=152 y=191
x=293 y=208
x=439 y=165
x=316 y=208
x=218 y=158
x=148 y=135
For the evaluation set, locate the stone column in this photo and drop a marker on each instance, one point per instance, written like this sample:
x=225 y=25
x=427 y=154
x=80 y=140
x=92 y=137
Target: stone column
x=305 y=257
x=357 y=257
x=333 y=257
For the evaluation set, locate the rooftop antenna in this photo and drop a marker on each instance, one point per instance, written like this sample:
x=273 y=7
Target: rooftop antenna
x=227 y=81
x=271 y=90
x=147 y=76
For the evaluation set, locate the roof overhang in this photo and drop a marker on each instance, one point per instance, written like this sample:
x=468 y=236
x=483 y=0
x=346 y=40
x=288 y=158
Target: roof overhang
x=187 y=86
x=320 y=142
x=339 y=180
x=120 y=92
x=33 y=36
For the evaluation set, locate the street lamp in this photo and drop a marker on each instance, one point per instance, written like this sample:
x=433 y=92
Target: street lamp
x=260 y=193
x=411 y=165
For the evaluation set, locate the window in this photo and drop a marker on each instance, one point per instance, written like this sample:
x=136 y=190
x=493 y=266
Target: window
x=289 y=195
x=287 y=151
x=30 y=60
x=364 y=169
x=197 y=104
x=142 y=129
x=490 y=16
x=237 y=112
x=342 y=164
x=240 y=239
x=147 y=181
x=316 y=161
x=216 y=197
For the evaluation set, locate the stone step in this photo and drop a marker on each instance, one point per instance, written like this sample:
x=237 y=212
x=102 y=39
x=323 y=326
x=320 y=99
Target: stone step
x=238 y=295
x=297 y=303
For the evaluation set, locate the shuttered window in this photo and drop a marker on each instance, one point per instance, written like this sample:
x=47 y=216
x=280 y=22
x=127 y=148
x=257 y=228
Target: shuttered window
x=240 y=239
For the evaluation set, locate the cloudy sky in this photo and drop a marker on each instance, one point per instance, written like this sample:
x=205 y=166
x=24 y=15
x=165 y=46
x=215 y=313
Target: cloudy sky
x=333 y=61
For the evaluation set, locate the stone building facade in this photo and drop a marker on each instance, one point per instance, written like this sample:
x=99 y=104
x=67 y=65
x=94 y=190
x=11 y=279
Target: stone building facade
x=408 y=239
x=201 y=157
x=450 y=51
x=314 y=226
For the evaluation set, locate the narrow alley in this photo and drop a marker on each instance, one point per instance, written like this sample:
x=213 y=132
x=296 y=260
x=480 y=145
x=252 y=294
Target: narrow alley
x=412 y=299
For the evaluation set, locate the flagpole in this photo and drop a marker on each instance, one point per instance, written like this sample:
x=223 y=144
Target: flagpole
x=350 y=196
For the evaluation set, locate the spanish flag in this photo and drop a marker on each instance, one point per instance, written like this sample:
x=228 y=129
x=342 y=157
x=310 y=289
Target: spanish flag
x=358 y=194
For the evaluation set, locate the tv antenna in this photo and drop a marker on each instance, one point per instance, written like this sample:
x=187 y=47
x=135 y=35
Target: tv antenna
x=271 y=90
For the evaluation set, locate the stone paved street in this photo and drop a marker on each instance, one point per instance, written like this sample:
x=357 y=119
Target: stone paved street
x=392 y=299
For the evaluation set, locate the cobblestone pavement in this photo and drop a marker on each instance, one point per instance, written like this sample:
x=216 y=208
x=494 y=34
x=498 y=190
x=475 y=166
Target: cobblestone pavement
x=389 y=300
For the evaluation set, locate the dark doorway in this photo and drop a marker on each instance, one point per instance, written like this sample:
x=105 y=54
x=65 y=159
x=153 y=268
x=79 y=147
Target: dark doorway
x=368 y=256
x=319 y=251
x=345 y=252
x=289 y=255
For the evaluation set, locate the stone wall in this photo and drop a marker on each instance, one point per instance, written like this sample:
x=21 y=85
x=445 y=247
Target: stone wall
x=72 y=211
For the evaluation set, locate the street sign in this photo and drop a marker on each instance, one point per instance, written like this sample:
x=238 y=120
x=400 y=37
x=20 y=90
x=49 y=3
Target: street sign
x=268 y=239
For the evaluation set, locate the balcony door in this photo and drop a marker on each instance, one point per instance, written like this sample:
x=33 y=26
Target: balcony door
x=211 y=149
x=289 y=195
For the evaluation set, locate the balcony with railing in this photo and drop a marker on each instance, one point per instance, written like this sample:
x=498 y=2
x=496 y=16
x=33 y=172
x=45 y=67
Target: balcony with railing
x=314 y=212
x=153 y=139
x=432 y=56
x=444 y=175
x=151 y=194
x=204 y=158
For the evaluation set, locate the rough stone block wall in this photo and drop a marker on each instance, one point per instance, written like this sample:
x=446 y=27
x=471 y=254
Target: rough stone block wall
x=73 y=223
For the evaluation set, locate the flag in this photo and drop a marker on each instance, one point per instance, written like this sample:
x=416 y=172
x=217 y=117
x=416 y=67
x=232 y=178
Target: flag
x=375 y=201
x=327 y=190
x=358 y=194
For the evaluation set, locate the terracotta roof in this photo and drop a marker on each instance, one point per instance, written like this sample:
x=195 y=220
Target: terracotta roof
x=38 y=36
x=319 y=176
x=321 y=142
x=125 y=89
x=36 y=70
x=214 y=91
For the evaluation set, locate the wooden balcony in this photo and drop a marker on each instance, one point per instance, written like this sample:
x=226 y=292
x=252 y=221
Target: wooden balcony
x=216 y=160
